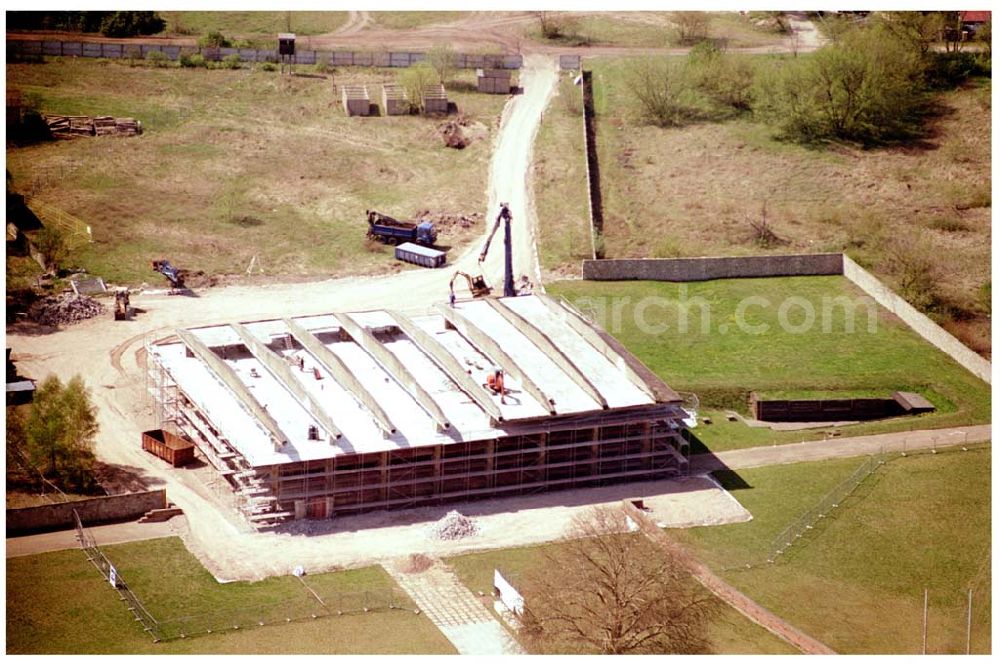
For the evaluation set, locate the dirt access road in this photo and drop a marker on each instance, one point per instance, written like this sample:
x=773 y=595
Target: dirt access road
x=109 y=355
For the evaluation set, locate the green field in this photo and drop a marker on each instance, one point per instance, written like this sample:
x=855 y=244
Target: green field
x=918 y=522
x=722 y=368
x=58 y=603
x=241 y=163
x=730 y=632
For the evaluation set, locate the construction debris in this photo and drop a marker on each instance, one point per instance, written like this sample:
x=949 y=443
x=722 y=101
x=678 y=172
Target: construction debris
x=65 y=309
x=454 y=526
x=67 y=126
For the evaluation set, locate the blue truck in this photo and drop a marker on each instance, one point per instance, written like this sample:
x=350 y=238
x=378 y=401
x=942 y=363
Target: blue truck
x=389 y=230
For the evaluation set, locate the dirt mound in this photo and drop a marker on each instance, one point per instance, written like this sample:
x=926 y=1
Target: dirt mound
x=443 y=220
x=453 y=135
x=65 y=309
x=454 y=526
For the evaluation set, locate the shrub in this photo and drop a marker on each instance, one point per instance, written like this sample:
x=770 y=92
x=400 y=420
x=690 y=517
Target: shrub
x=690 y=27
x=213 y=40
x=130 y=24
x=268 y=67
x=157 y=58
x=570 y=97
x=231 y=61
x=51 y=243
x=192 y=60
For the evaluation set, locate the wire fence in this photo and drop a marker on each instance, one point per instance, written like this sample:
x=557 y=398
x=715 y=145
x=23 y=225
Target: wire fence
x=110 y=573
x=311 y=605
x=804 y=523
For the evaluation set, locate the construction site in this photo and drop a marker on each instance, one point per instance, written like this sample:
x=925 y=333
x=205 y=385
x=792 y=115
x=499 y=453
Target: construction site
x=317 y=416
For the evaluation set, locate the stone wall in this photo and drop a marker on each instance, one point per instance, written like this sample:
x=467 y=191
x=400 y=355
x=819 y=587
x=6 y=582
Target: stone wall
x=918 y=321
x=113 y=508
x=696 y=269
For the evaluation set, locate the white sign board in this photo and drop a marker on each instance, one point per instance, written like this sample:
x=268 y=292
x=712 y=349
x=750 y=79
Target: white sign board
x=113 y=576
x=509 y=597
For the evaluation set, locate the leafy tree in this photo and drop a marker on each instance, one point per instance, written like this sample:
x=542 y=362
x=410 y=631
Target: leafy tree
x=414 y=78
x=130 y=24
x=616 y=593
x=866 y=87
x=60 y=431
x=920 y=30
x=442 y=59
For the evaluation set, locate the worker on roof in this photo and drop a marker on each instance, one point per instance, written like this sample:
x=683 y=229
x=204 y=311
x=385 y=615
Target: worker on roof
x=494 y=382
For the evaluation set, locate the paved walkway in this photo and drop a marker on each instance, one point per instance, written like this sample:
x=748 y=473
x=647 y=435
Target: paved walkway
x=459 y=614
x=847 y=447
x=33 y=544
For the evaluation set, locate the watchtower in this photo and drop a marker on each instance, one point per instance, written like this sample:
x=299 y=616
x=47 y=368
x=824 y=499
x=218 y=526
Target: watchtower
x=286 y=50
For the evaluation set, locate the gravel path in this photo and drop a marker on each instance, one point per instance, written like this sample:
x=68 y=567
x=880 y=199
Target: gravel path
x=847 y=447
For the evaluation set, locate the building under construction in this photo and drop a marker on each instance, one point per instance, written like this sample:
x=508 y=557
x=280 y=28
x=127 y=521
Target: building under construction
x=315 y=416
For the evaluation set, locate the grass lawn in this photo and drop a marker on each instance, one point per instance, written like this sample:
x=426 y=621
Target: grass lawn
x=723 y=367
x=730 y=632
x=918 y=522
x=241 y=163
x=692 y=190
x=58 y=603
x=264 y=25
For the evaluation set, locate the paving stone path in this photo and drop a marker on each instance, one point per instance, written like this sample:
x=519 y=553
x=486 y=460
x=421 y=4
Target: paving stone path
x=458 y=613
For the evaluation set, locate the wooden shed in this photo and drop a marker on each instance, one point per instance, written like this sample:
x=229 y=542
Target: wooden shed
x=433 y=99
x=394 y=100
x=170 y=447
x=356 y=101
x=495 y=81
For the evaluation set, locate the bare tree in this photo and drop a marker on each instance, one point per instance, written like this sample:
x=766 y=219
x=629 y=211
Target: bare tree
x=614 y=592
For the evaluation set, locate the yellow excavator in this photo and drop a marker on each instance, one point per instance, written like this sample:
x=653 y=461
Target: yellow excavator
x=477 y=284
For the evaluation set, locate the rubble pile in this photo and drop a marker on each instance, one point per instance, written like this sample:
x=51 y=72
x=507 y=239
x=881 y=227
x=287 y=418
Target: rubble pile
x=454 y=526
x=66 y=309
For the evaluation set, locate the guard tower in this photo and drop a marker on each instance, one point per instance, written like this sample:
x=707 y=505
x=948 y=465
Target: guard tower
x=286 y=50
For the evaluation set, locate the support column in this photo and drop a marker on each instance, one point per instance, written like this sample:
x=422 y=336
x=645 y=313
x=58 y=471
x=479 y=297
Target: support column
x=491 y=448
x=384 y=476
x=437 y=470
x=595 y=451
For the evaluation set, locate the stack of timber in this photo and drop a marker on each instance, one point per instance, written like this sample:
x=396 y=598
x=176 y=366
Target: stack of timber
x=66 y=126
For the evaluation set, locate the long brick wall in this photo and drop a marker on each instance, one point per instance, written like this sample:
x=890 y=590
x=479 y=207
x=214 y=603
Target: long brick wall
x=98 y=510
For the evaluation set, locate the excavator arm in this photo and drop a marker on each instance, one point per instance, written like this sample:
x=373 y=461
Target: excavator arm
x=503 y=215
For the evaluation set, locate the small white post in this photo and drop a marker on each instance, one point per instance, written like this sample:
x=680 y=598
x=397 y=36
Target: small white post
x=924 y=649
x=968 y=627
